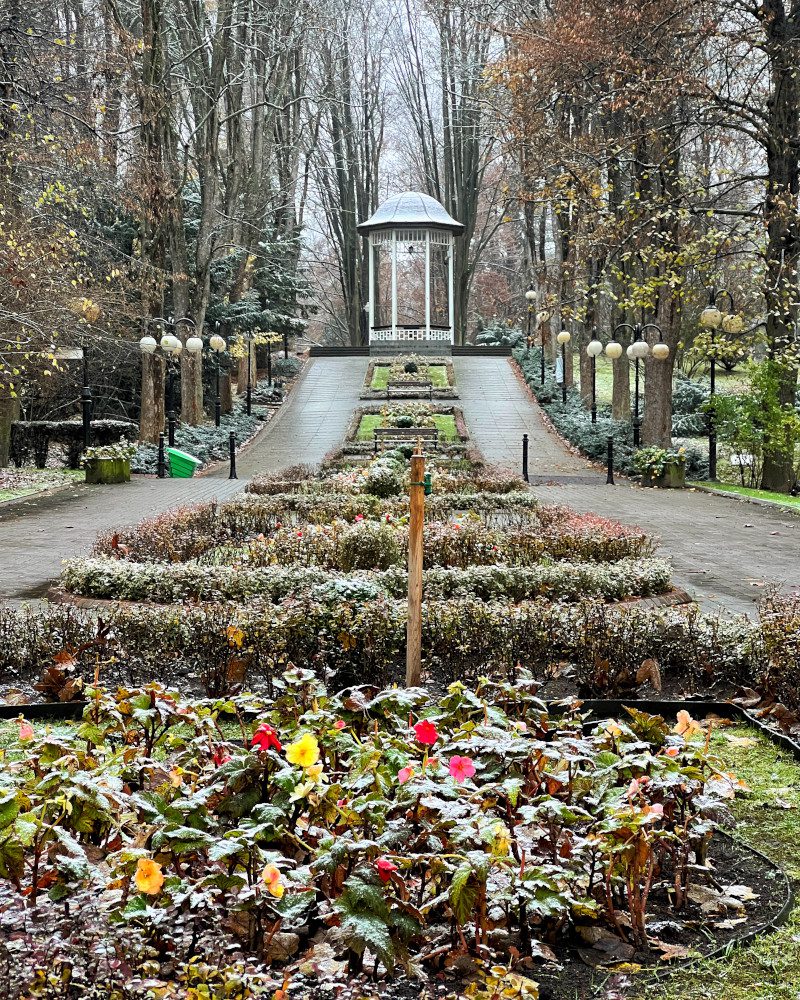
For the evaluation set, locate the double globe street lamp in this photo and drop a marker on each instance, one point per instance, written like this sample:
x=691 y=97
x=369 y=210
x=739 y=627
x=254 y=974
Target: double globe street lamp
x=563 y=339
x=712 y=318
x=170 y=346
x=637 y=351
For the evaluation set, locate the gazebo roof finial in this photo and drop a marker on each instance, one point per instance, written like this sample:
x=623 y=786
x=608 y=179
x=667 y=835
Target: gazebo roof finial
x=410 y=210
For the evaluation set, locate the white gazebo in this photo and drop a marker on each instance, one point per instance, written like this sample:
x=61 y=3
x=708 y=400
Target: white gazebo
x=411 y=241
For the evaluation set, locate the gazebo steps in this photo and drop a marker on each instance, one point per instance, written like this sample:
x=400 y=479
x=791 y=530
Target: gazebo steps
x=432 y=348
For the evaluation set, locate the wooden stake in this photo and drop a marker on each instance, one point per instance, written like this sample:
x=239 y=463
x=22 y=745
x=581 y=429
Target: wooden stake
x=417 y=521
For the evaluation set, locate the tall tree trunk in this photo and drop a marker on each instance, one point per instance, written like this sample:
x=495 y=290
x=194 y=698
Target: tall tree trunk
x=780 y=208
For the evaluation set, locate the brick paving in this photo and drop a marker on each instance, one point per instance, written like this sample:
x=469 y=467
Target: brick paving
x=37 y=534
x=724 y=551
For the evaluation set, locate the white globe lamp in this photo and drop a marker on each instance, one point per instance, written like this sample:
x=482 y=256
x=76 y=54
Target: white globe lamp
x=148 y=345
x=194 y=345
x=594 y=348
x=613 y=350
x=217 y=343
x=710 y=318
x=564 y=337
x=660 y=351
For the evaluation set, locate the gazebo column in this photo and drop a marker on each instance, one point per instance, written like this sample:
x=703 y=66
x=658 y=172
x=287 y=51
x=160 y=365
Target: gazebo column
x=371 y=302
x=394 y=285
x=427 y=284
x=450 y=304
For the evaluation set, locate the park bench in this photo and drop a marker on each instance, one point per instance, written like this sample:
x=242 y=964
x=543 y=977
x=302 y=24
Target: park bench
x=403 y=387
x=405 y=435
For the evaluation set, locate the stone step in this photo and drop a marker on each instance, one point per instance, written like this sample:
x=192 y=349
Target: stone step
x=433 y=348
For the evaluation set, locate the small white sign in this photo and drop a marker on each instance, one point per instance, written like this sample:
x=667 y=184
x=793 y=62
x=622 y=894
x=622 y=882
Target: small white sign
x=68 y=354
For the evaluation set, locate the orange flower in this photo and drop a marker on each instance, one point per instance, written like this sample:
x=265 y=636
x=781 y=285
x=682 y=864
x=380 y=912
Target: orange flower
x=149 y=878
x=272 y=879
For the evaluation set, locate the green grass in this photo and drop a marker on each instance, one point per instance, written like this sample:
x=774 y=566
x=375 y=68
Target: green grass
x=16 y=483
x=726 y=383
x=445 y=422
x=437 y=374
x=781 y=499
x=768 y=819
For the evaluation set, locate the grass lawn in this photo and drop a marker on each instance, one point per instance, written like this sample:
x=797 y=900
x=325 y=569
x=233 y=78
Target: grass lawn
x=768 y=819
x=726 y=383
x=15 y=483
x=782 y=499
x=445 y=422
x=437 y=374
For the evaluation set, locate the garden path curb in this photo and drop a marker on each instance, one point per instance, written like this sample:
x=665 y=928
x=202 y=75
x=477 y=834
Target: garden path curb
x=757 y=501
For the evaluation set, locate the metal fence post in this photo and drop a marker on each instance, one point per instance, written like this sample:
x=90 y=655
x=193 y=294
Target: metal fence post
x=162 y=464
x=232 y=449
x=610 y=462
x=525 y=458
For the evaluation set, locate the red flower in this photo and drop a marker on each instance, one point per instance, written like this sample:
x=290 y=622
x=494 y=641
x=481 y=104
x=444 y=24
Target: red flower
x=359 y=517
x=461 y=768
x=220 y=756
x=265 y=737
x=426 y=732
x=385 y=868
x=339 y=724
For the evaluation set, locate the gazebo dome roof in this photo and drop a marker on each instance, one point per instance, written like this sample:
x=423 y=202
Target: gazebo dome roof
x=411 y=210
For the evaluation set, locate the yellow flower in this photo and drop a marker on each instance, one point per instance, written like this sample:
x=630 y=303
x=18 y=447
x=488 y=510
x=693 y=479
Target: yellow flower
x=235 y=636
x=315 y=773
x=272 y=880
x=149 y=878
x=302 y=791
x=304 y=751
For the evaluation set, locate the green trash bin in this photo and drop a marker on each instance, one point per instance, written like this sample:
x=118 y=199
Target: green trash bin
x=181 y=464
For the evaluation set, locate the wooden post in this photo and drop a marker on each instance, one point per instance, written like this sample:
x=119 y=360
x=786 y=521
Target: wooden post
x=415 y=527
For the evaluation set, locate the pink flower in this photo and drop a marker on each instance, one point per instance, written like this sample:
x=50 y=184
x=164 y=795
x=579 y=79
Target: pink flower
x=339 y=724
x=426 y=732
x=265 y=737
x=672 y=751
x=220 y=756
x=359 y=517
x=25 y=731
x=461 y=768
x=405 y=774
x=385 y=868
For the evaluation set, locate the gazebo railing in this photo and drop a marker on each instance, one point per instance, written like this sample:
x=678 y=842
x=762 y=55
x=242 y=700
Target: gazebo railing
x=411 y=332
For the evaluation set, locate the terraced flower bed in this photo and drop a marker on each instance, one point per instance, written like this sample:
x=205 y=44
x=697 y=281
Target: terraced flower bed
x=412 y=369
x=453 y=436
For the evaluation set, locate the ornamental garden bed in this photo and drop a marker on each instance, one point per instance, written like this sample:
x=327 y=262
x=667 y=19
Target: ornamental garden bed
x=452 y=438
x=438 y=371
x=466 y=835
x=474 y=840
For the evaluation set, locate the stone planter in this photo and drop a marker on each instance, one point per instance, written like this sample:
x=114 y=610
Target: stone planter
x=672 y=478
x=108 y=470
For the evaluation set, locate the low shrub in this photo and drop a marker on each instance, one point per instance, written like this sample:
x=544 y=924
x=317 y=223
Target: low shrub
x=776 y=649
x=190 y=532
x=368 y=545
x=212 y=646
x=384 y=477
x=189 y=582
x=31 y=439
x=206 y=442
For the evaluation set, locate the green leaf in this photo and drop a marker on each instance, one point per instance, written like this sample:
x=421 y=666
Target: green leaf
x=463 y=893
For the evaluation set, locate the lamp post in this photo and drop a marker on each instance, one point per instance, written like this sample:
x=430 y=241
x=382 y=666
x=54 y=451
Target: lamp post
x=248 y=336
x=564 y=338
x=711 y=319
x=194 y=345
x=530 y=298
x=171 y=347
x=637 y=351
x=594 y=349
x=542 y=317
x=86 y=400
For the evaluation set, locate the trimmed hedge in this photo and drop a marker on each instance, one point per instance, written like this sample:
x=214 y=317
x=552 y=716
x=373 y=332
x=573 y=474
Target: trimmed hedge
x=356 y=642
x=179 y=582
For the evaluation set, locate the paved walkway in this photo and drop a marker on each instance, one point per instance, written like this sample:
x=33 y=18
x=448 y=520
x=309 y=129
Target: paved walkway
x=724 y=551
x=312 y=422
x=36 y=534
